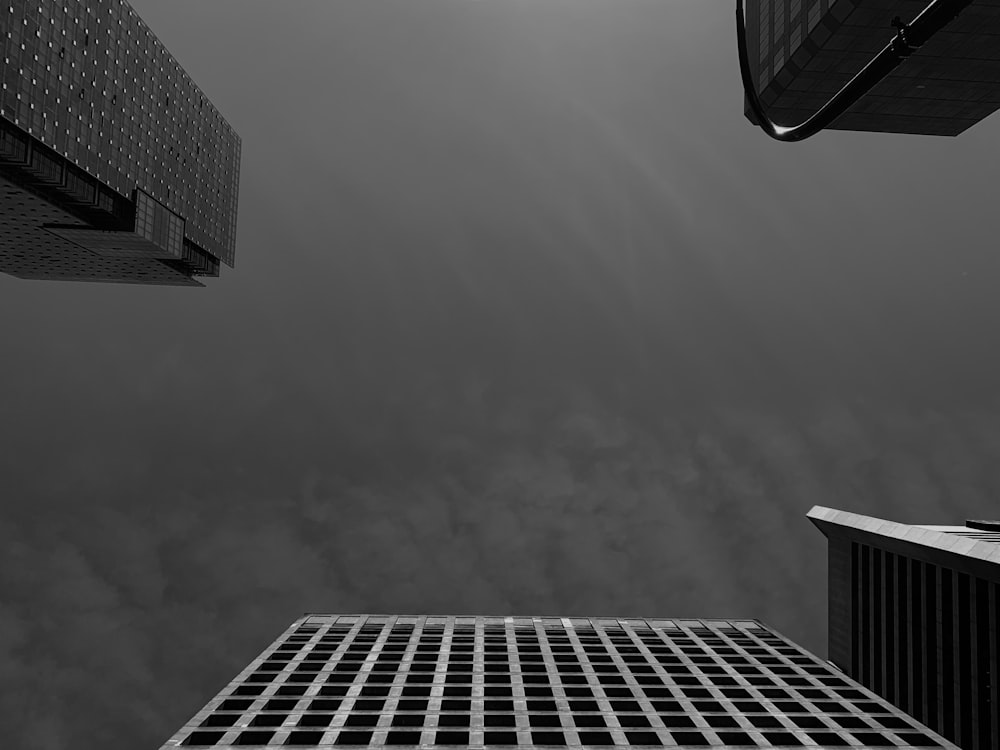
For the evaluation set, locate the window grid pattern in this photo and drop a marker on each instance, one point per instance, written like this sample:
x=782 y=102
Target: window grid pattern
x=782 y=25
x=158 y=224
x=91 y=81
x=363 y=681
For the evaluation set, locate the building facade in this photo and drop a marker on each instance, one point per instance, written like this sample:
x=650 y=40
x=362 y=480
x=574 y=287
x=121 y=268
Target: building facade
x=374 y=681
x=114 y=165
x=913 y=613
x=803 y=51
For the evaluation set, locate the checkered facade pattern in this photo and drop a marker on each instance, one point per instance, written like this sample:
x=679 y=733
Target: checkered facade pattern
x=374 y=681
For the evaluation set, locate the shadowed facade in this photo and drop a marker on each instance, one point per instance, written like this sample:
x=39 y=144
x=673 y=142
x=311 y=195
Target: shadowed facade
x=803 y=51
x=913 y=616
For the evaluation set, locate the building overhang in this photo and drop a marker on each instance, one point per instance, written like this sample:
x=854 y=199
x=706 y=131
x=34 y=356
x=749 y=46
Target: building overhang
x=944 y=548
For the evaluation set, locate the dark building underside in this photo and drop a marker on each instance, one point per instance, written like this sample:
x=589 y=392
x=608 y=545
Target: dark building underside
x=944 y=88
x=59 y=223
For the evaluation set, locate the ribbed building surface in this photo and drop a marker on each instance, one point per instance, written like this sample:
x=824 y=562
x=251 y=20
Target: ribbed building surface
x=413 y=681
x=804 y=51
x=913 y=617
x=100 y=125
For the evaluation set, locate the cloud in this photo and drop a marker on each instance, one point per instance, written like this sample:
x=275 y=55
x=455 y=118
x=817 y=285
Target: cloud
x=503 y=336
x=129 y=607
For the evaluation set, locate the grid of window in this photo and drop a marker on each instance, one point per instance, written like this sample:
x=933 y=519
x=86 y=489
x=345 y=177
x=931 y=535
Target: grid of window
x=91 y=81
x=158 y=224
x=361 y=680
x=782 y=26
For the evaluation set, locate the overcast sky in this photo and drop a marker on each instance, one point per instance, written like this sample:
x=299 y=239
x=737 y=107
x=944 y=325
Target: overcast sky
x=526 y=319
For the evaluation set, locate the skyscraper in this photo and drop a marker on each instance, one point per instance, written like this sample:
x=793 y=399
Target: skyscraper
x=114 y=166
x=803 y=51
x=913 y=617
x=374 y=681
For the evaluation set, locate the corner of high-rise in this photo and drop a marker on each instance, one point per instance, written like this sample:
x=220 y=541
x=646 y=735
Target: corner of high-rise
x=114 y=165
x=802 y=52
x=913 y=615
x=444 y=682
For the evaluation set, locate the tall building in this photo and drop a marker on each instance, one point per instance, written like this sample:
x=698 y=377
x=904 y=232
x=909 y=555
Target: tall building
x=114 y=165
x=373 y=681
x=913 y=616
x=803 y=51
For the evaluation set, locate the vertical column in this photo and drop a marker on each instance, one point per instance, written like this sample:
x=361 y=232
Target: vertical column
x=979 y=617
x=753 y=26
x=939 y=692
x=867 y=641
x=965 y=670
x=994 y=687
x=932 y=654
x=840 y=602
x=856 y=611
x=878 y=622
x=797 y=29
x=918 y=678
x=786 y=9
x=905 y=650
x=949 y=644
x=890 y=626
x=767 y=50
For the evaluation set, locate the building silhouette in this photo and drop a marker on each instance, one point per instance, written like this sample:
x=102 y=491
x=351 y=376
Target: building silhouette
x=803 y=51
x=374 y=681
x=114 y=166
x=913 y=613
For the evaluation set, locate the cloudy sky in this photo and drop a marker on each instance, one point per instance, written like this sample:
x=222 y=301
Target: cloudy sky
x=526 y=318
